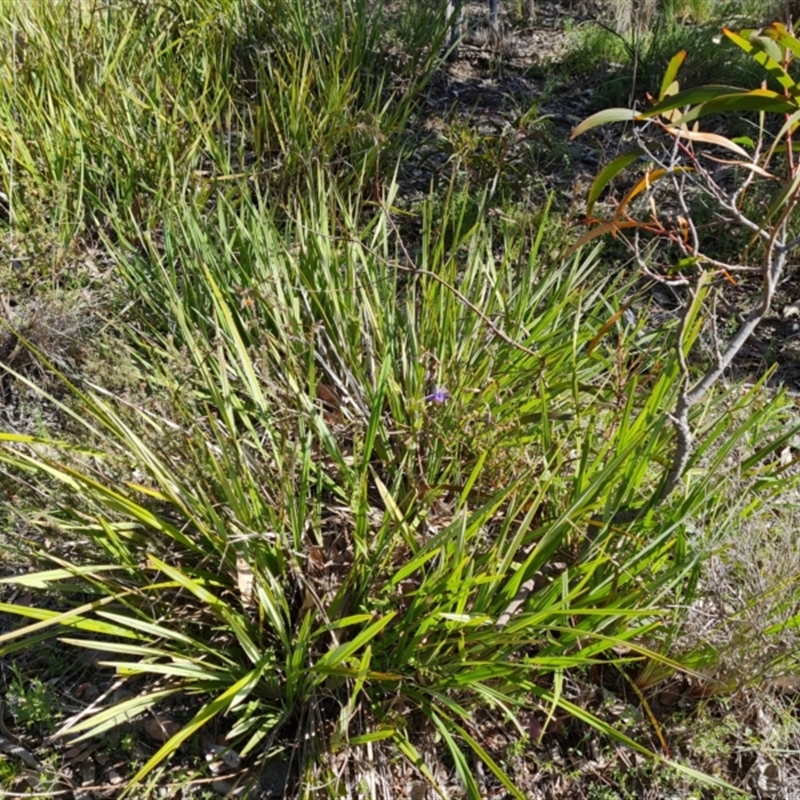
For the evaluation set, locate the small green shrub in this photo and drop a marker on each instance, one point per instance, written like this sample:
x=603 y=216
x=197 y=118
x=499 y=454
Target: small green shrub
x=33 y=703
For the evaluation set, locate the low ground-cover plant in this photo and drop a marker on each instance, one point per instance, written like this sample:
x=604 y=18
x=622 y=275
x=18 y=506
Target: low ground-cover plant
x=33 y=703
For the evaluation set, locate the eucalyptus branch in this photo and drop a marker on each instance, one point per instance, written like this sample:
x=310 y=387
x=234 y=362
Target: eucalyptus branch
x=771 y=272
x=675 y=147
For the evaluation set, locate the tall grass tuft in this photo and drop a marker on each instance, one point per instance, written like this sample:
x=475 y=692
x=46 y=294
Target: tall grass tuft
x=110 y=111
x=360 y=504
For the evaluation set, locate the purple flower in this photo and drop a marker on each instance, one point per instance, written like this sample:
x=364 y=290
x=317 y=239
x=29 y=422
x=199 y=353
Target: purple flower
x=440 y=394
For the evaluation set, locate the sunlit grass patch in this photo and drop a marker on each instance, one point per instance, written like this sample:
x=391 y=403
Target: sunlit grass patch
x=631 y=59
x=110 y=111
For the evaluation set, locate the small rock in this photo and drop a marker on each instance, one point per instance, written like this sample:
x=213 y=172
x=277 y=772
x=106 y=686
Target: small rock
x=670 y=696
x=767 y=780
x=113 y=777
x=274 y=777
x=161 y=727
x=87 y=772
x=226 y=788
x=418 y=790
x=220 y=753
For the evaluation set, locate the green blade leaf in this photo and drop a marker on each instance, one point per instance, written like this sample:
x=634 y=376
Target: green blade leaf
x=206 y=713
x=668 y=85
x=115 y=715
x=766 y=52
x=341 y=653
x=608 y=173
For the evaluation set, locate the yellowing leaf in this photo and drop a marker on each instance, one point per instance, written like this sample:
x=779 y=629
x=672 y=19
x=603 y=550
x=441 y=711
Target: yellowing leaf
x=603 y=118
x=244 y=581
x=709 y=138
x=645 y=183
x=669 y=85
